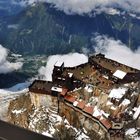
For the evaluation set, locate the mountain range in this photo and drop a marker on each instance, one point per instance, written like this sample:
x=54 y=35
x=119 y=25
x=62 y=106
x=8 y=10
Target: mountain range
x=42 y=29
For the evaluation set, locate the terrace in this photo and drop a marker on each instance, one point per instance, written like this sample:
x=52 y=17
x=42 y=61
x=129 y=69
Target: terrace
x=113 y=65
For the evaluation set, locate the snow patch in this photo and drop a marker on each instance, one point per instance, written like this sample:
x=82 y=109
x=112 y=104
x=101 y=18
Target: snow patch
x=17 y=112
x=126 y=102
x=137 y=113
x=117 y=93
x=6 y=95
x=132 y=133
x=47 y=134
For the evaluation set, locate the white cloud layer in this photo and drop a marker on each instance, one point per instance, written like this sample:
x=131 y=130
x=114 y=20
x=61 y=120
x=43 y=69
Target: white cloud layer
x=5 y=65
x=113 y=49
x=70 y=60
x=87 y=6
x=116 y=50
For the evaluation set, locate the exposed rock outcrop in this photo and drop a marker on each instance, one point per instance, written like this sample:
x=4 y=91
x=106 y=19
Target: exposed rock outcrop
x=42 y=119
x=19 y=111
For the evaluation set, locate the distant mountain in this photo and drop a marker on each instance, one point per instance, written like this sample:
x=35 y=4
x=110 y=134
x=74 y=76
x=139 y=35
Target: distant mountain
x=8 y=7
x=41 y=29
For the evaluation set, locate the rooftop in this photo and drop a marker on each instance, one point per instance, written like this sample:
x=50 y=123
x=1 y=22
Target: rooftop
x=57 y=89
x=59 y=63
x=64 y=91
x=70 y=98
x=119 y=74
x=41 y=86
x=106 y=123
x=88 y=109
x=81 y=104
x=117 y=93
x=97 y=112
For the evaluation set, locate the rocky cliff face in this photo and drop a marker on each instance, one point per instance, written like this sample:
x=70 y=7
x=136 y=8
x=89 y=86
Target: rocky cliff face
x=80 y=121
x=19 y=111
x=39 y=113
x=43 y=119
x=74 y=117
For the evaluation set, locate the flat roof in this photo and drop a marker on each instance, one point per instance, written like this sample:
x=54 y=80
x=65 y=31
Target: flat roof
x=96 y=112
x=81 y=104
x=39 y=86
x=117 y=93
x=64 y=91
x=59 y=63
x=88 y=109
x=119 y=74
x=106 y=122
x=57 y=89
x=70 y=98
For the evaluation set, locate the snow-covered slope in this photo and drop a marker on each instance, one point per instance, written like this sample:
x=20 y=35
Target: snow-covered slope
x=6 y=95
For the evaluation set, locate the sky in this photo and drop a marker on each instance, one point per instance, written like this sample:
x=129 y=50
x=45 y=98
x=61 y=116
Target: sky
x=5 y=65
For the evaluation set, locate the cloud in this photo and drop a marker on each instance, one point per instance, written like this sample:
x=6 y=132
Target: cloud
x=85 y=51
x=116 y=50
x=79 y=6
x=70 y=60
x=113 y=49
x=5 y=65
x=87 y=6
x=13 y=26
